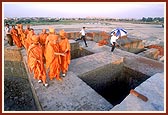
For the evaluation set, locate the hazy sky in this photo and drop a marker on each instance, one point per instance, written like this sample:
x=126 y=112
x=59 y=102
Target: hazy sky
x=84 y=9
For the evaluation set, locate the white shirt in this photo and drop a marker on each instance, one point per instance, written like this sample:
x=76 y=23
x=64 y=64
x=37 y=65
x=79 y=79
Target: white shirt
x=7 y=30
x=113 y=39
x=82 y=32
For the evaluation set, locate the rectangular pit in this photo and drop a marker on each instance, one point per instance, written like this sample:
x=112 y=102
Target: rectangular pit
x=113 y=82
x=77 y=51
x=80 y=52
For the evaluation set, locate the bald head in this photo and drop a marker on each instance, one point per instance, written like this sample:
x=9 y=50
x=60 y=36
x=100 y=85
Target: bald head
x=44 y=31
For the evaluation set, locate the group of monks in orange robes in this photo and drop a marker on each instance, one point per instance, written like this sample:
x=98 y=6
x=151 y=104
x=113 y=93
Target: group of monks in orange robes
x=57 y=54
x=50 y=48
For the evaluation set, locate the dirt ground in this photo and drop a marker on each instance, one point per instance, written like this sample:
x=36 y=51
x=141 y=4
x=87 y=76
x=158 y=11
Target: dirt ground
x=18 y=95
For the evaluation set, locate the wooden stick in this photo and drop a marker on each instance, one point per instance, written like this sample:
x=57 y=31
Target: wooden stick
x=137 y=94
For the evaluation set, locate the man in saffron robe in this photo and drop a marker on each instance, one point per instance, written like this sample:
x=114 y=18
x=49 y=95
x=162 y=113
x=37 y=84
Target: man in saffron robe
x=52 y=55
x=28 y=40
x=23 y=38
x=35 y=61
x=20 y=29
x=27 y=30
x=21 y=34
x=43 y=37
x=64 y=48
x=15 y=37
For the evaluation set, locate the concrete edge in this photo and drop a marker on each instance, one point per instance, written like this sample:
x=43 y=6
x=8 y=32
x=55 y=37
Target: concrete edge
x=38 y=105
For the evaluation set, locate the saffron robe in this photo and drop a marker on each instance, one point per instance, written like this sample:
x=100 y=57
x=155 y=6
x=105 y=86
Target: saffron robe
x=35 y=62
x=43 y=37
x=28 y=40
x=15 y=37
x=53 y=61
x=65 y=60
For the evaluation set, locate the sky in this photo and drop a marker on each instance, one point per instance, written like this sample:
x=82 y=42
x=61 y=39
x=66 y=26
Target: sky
x=135 y=10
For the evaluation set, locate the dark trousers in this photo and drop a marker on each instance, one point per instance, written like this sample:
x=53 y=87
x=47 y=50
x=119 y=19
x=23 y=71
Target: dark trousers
x=113 y=46
x=84 y=39
x=10 y=40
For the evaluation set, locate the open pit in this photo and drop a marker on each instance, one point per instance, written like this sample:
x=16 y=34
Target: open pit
x=113 y=82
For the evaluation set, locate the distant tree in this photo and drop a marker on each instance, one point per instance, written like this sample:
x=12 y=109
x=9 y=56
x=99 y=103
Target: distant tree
x=144 y=19
x=162 y=19
x=27 y=21
x=149 y=19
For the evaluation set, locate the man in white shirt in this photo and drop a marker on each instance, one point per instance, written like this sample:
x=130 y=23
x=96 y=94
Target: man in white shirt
x=83 y=33
x=113 y=41
x=8 y=35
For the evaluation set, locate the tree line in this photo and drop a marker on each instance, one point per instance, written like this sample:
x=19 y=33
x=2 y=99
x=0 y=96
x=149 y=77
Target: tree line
x=29 y=20
x=42 y=20
x=150 y=19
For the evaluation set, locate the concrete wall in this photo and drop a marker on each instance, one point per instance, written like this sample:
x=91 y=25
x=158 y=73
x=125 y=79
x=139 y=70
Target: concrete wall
x=13 y=63
x=152 y=53
x=132 y=77
x=132 y=45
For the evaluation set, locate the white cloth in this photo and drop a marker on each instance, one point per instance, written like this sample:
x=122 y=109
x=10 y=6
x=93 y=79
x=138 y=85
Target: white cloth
x=82 y=32
x=7 y=30
x=113 y=39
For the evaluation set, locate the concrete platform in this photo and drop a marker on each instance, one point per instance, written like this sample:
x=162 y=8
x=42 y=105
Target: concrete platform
x=75 y=95
x=89 y=63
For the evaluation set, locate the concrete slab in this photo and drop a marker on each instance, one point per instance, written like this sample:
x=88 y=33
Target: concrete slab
x=153 y=89
x=91 y=62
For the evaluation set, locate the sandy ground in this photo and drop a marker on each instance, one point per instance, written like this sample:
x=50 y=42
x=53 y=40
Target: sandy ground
x=150 y=34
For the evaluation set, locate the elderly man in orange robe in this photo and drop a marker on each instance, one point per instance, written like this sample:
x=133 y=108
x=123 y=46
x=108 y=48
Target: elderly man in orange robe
x=52 y=55
x=35 y=61
x=23 y=38
x=28 y=40
x=43 y=37
x=27 y=29
x=21 y=34
x=64 y=48
x=15 y=37
x=20 y=29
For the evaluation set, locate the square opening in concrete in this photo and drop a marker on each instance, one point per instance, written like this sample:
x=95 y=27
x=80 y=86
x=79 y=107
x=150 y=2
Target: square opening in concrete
x=113 y=82
x=80 y=52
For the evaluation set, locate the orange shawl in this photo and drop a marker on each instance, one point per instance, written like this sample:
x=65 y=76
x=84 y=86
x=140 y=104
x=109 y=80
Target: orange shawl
x=15 y=37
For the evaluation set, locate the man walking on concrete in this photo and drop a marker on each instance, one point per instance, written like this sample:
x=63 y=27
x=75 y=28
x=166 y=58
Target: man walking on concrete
x=83 y=33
